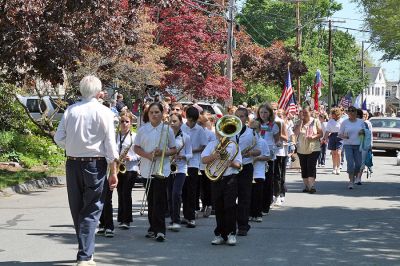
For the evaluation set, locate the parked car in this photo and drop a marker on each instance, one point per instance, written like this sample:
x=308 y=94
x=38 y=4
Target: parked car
x=386 y=133
x=37 y=107
x=214 y=108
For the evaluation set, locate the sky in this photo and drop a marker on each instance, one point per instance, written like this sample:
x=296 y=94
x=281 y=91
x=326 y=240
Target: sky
x=353 y=17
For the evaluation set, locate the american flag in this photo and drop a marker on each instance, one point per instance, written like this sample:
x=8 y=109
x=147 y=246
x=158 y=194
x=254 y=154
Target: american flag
x=292 y=106
x=317 y=89
x=287 y=94
x=346 y=101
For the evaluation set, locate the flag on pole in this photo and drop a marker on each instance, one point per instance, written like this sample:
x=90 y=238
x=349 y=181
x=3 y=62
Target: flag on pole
x=292 y=106
x=317 y=88
x=364 y=105
x=287 y=93
x=346 y=101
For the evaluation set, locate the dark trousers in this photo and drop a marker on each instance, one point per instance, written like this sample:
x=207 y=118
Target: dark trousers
x=126 y=182
x=206 y=198
x=256 y=197
x=322 y=155
x=308 y=164
x=244 y=179
x=86 y=182
x=224 y=193
x=106 y=218
x=268 y=187
x=280 y=176
x=189 y=193
x=175 y=186
x=157 y=204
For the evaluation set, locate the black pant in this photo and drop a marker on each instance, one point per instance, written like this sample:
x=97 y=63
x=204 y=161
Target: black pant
x=126 y=182
x=106 y=218
x=175 y=186
x=280 y=176
x=322 y=155
x=268 y=187
x=244 y=179
x=308 y=164
x=256 y=197
x=224 y=193
x=157 y=204
x=86 y=184
x=206 y=198
x=189 y=193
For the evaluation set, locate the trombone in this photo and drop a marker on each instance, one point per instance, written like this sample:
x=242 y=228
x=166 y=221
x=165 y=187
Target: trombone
x=159 y=173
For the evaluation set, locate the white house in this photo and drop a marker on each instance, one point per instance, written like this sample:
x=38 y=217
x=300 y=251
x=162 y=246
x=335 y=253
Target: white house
x=375 y=94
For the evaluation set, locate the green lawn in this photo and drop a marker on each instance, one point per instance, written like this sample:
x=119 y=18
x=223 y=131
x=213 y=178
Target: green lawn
x=12 y=177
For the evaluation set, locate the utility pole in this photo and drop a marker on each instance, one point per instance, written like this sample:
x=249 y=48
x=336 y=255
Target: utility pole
x=362 y=72
x=330 y=66
x=229 y=64
x=298 y=45
x=330 y=22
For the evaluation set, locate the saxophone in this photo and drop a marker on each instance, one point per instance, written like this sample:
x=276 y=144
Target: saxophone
x=121 y=165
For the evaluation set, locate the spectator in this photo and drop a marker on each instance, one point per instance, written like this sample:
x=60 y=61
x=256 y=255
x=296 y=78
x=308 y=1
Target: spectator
x=120 y=103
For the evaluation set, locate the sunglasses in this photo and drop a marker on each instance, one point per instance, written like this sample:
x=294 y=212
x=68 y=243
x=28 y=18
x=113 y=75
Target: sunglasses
x=125 y=121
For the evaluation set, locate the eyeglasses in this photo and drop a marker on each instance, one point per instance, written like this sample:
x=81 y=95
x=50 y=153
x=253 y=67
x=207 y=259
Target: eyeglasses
x=125 y=121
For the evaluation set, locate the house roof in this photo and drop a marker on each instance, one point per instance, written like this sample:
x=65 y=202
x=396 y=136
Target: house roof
x=372 y=73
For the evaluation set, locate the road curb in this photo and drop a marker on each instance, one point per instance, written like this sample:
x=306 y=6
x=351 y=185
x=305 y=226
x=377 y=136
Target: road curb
x=33 y=185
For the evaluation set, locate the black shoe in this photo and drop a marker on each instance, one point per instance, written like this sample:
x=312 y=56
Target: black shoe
x=306 y=190
x=242 y=232
x=101 y=231
x=312 y=190
x=150 y=235
x=359 y=183
x=191 y=224
x=184 y=221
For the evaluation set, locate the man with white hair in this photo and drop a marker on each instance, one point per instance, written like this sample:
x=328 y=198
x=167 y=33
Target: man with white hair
x=86 y=132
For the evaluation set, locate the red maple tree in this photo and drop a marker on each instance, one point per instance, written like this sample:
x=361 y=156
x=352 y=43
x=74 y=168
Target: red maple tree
x=196 y=58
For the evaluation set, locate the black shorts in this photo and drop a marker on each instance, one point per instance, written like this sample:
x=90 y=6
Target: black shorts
x=334 y=142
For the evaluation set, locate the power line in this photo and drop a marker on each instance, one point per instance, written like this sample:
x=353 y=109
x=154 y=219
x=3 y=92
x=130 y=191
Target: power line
x=346 y=28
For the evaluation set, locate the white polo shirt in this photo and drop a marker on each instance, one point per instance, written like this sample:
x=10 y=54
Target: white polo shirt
x=198 y=138
x=246 y=140
x=210 y=137
x=148 y=137
x=183 y=140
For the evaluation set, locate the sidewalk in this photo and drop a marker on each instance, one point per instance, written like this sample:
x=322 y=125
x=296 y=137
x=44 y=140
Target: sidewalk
x=336 y=226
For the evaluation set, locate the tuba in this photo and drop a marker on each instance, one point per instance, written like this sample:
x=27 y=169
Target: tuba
x=227 y=126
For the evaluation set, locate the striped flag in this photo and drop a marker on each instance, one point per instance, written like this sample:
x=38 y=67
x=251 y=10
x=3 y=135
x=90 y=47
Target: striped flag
x=292 y=106
x=317 y=89
x=346 y=101
x=287 y=94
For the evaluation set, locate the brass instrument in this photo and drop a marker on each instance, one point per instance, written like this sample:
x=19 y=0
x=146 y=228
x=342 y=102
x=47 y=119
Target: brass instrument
x=173 y=161
x=159 y=173
x=121 y=160
x=253 y=144
x=227 y=126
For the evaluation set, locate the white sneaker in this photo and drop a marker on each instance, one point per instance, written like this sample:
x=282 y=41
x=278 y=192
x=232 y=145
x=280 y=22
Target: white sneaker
x=124 y=226
x=278 y=202
x=337 y=171
x=174 y=227
x=334 y=171
x=218 y=240
x=350 y=186
x=109 y=233
x=258 y=219
x=231 y=240
x=86 y=262
x=282 y=199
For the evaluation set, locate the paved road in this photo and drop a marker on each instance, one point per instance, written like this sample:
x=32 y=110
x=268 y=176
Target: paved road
x=336 y=226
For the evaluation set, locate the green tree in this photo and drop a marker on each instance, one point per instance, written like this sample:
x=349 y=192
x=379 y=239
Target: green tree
x=383 y=18
x=258 y=93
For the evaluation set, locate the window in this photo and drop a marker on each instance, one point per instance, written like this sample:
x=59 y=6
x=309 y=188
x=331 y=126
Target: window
x=34 y=106
x=387 y=94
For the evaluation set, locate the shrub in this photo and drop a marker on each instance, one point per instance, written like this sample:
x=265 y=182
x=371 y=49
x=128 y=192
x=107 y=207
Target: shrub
x=29 y=150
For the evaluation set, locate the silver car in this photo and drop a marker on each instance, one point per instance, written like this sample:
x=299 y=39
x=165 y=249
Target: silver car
x=386 y=133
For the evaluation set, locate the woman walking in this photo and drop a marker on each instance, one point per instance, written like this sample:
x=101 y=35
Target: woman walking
x=350 y=131
x=309 y=132
x=335 y=143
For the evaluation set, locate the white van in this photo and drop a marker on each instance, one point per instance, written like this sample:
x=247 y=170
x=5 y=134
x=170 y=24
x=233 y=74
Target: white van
x=39 y=107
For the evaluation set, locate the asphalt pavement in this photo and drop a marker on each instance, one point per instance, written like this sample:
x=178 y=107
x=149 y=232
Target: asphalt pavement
x=335 y=226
